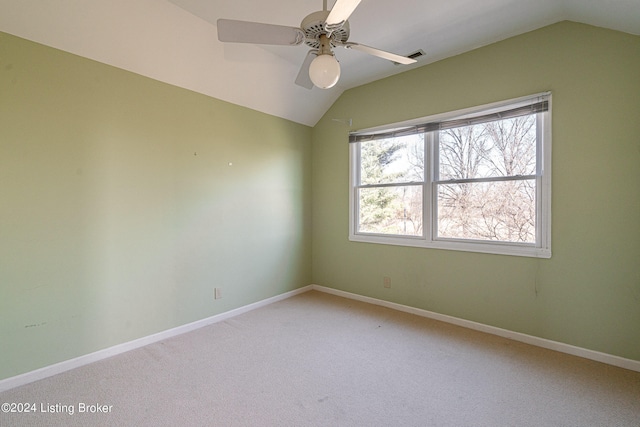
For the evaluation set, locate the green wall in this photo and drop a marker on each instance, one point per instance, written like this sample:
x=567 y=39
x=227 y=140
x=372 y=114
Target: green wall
x=588 y=293
x=120 y=211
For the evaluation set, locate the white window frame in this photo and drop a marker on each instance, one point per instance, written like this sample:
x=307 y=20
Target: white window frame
x=542 y=247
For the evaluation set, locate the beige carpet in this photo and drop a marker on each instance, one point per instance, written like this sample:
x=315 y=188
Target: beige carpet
x=321 y=360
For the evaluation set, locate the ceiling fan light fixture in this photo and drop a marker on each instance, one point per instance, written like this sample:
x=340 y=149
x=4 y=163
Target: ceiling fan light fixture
x=324 y=71
x=322 y=31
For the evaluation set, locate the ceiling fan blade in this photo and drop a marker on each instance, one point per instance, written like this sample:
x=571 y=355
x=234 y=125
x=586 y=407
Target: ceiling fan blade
x=379 y=53
x=303 y=78
x=233 y=31
x=340 y=12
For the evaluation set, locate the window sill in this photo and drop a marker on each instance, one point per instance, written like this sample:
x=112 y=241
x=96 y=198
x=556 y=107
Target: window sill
x=496 y=248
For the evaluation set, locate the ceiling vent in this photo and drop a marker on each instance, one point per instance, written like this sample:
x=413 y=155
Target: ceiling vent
x=415 y=55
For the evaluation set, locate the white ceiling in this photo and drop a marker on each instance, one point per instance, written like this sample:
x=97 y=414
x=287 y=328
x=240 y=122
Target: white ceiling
x=175 y=41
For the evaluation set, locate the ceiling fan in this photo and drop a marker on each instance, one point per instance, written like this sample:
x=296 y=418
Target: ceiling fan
x=322 y=31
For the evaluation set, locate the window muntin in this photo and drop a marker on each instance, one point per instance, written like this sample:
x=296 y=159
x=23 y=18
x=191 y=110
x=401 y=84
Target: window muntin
x=471 y=180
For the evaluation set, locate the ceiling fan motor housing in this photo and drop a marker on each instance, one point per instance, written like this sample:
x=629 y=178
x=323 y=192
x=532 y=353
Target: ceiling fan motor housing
x=313 y=27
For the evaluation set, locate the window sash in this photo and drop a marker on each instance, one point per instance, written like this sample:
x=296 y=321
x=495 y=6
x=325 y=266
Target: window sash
x=476 y=222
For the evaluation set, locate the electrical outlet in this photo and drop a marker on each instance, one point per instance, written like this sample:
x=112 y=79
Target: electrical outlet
x=217 y=293
x=386 y=281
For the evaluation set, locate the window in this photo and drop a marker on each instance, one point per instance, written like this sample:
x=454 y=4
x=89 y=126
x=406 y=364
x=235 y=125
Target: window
x=473 y=180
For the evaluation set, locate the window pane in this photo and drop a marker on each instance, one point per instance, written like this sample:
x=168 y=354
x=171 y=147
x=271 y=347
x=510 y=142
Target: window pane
x=391 y=210
x=497 y=211
x=494 y=149
x=386 y=161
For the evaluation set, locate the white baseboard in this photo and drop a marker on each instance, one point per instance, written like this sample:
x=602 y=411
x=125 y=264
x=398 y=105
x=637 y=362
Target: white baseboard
x=621 y=362
x=67 y=365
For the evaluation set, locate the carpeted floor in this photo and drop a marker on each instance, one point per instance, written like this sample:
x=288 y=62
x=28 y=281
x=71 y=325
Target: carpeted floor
x=322 y=360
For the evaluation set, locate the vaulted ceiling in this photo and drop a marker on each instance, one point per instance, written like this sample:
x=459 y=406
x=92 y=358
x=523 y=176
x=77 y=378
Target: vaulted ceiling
x=175 y=41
